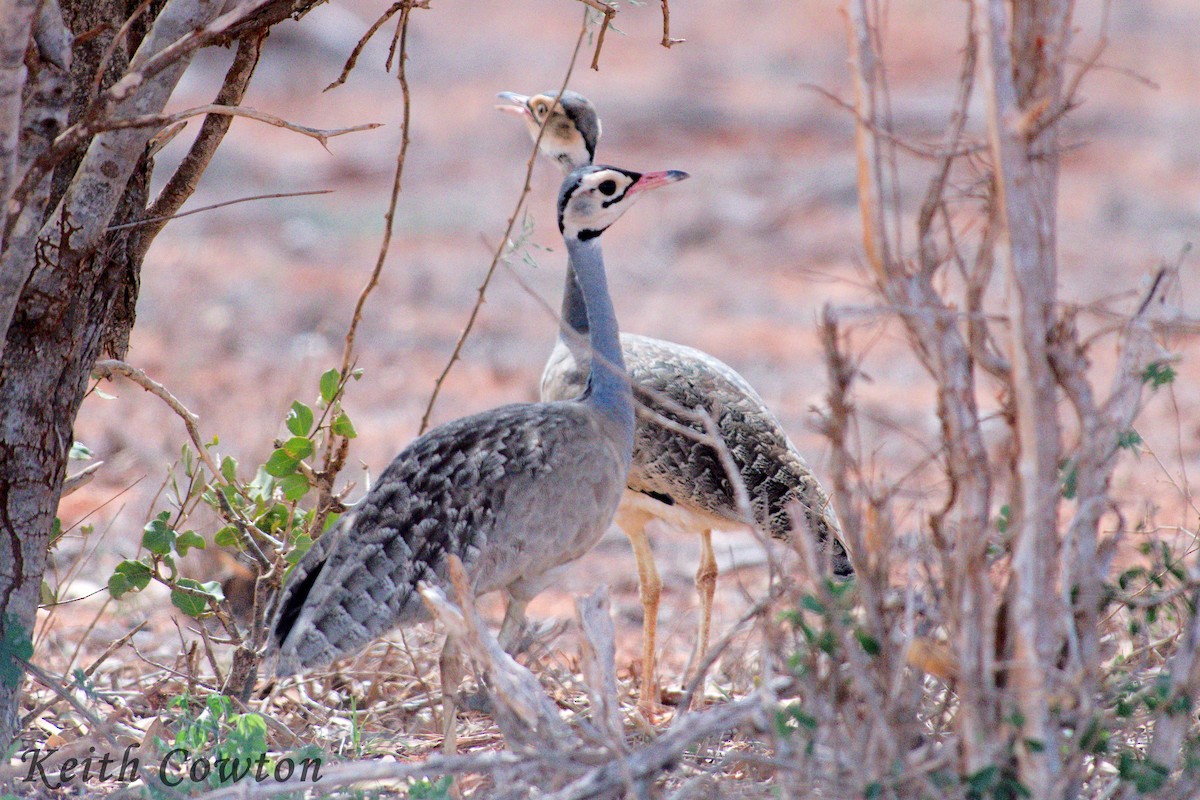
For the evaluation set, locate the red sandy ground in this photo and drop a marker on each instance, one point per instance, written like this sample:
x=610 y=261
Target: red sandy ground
x=243 y=307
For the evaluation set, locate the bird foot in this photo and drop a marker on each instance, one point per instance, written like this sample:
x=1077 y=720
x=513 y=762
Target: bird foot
x=479 y=701
x=532 y=636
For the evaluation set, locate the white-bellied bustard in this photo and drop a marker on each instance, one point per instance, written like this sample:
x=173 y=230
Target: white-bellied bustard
x=513 y=492
x=675 y=477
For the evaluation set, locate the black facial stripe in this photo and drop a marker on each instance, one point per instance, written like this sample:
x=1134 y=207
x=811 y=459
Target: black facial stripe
x=563 y=199
x=590 y=234
x=617 y=199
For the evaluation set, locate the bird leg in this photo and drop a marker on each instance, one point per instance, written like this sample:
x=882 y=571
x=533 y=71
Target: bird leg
x=451 y=666
x=513 y=626
x=706 y=584
x=650 y=589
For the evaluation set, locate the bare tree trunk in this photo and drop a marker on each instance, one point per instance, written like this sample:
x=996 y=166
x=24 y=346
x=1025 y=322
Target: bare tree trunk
x=68 y=283
x=1022 y=72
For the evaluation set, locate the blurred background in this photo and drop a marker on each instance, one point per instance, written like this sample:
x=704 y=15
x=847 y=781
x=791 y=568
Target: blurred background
x=243 y=307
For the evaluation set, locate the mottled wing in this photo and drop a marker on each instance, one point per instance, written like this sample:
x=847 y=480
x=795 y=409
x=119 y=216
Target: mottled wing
x=461 y=490
x=679 y=469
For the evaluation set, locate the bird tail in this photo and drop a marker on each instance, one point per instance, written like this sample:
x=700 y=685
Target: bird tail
x=819 y=519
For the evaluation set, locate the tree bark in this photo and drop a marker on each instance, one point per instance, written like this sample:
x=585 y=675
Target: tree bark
x=1022 y=75
x=75 y=268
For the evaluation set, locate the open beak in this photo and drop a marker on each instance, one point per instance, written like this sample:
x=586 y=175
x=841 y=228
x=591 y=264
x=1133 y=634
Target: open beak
x=653 y=180
x=518 y=104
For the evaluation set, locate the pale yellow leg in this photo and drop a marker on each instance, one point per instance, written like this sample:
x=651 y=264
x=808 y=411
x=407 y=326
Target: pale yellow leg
x=452 y=674
x=633 y=523
x=706 y=584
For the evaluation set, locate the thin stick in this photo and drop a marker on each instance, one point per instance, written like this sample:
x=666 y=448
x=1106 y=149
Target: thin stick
x=322 y=135
x=503 y=243
x=183 y=181
x=55 y=686
x=214 y=206
x=110 y=367
x=390 y=216
x=609 y=12
x=352 y=61
x=667 y=41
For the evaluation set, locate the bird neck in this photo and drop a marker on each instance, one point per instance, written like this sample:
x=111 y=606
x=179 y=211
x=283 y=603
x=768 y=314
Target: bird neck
x=608 y=389
x=574 y=312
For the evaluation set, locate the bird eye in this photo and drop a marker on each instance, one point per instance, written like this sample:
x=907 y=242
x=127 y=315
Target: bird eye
x=539 y=109
x=607 y=187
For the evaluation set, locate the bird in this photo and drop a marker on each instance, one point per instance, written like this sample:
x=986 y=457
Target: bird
x=514 y=492
x=675 y=477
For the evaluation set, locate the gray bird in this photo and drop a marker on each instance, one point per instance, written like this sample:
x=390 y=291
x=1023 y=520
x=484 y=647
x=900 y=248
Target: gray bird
x=675 y=477
x=513 y=492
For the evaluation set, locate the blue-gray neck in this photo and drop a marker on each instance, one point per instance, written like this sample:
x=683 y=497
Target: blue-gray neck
x=574 y=312
x=608 y=389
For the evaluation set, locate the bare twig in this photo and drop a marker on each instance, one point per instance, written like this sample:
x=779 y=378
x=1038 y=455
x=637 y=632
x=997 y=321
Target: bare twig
x=110 y=367
x=667 y=41
x=55 y=686
x=336 y=448
x=352 y=61
x=597 y=653
x=222 y=204
x=322 y=135
x=503 y=244
x=73 y=483
x=183 y=182
x=609 y=12
x=527 y=717
x=390 y=215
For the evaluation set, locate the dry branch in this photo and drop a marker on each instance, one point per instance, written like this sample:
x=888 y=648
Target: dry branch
x=16 y=26
x=183 y=182
x=528 y=718
x=667 y=41
x=946 y=356
x=503 y=245
x=609 y=12
x=598 y=654
x=1022 y=69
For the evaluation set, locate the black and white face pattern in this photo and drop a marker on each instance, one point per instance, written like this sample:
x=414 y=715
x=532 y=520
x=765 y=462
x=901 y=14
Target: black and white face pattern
x=571 y=132
x=592 y=198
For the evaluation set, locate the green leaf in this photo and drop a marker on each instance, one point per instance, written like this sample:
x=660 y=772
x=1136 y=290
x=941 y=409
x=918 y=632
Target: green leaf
x=426 y=790
x=227 y=537
x=274 y=519
x=229 y=468
x=79 y=452
x=281 y=464
x=294 y=486
x=47 y=596
x=869 y=643
x=187 y=540
x=329 y=385
x=300 y=545
x=191 y=604
x=1004 y=520
x=129 y=576
x=1068 y=478
x=342 y=426
x=1129 y=440
x=812 y=604
x=298 y=447
x=15 y=647
x=157 y=536
x=300 y=419
x=1146 y=776
x=1158 y=374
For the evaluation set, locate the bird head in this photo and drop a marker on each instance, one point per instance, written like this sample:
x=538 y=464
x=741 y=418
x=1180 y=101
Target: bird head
x=594 y=197
x=571 y=132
